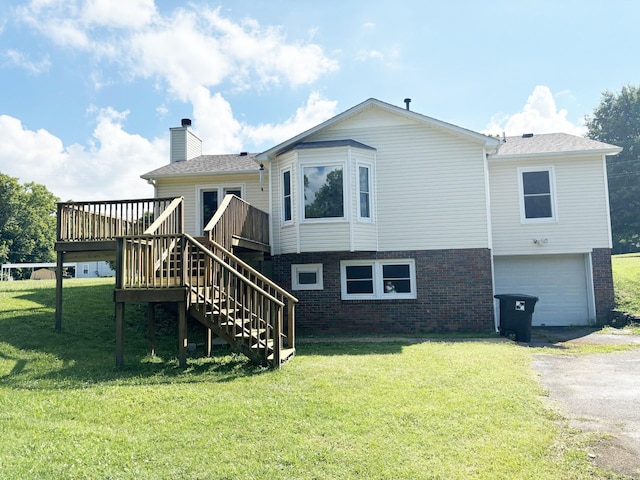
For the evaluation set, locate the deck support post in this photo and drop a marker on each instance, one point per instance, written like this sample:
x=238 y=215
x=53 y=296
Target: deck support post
x=59 y=267
x=207 y=342
x=119 y=334
x=182 y=334
x=151 y=328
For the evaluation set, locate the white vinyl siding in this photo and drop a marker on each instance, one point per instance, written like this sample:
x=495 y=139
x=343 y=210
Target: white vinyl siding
x=581 y=202
x=194 y=145
x=429 y=187
x=185 y=187
x=184 y=144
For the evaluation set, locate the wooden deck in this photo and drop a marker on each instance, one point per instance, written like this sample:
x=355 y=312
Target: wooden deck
x=157 y=262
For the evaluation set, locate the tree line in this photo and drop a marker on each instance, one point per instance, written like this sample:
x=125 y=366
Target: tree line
x=27 y=222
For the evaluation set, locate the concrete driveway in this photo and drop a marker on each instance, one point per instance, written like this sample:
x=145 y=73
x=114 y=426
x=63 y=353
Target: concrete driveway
x=596 y=392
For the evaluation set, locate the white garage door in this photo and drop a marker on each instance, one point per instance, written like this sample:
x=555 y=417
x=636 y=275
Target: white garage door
x=559 y=281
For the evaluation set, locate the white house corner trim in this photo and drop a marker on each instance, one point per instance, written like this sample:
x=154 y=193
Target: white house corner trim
x=591 y=293
x=606 y=197
x=487 y=200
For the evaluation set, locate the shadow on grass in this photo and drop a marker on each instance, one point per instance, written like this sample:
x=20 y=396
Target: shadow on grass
x=35 y=355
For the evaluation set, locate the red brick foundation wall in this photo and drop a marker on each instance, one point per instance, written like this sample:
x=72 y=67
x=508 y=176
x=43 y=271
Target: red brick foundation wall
x=453 y=295
x=602 y=283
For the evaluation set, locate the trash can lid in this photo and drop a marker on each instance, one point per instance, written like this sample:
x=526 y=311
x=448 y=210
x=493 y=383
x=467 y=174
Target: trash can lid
x=516 y=296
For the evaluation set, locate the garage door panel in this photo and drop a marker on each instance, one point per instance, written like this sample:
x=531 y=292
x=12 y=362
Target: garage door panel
x=559 y=281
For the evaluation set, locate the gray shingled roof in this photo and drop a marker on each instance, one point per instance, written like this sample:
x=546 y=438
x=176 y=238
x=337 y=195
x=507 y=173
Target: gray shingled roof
x=207 y=164
x=552 y=143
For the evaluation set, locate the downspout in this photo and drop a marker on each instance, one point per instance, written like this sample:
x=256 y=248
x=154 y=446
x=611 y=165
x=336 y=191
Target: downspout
x=487 y=183
x=271 y=168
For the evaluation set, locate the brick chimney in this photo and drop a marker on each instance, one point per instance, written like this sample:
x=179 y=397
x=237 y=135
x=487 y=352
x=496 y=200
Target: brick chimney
x=184 y=145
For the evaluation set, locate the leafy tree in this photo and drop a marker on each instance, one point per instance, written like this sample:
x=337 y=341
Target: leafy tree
x=616 y=120
x=27 y=222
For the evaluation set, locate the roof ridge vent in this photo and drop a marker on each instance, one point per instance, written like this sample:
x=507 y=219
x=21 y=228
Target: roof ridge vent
x=243 y=154
x=527 y=135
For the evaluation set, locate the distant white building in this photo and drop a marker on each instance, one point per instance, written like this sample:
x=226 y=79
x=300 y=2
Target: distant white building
x=94 y=270
x=82 y=270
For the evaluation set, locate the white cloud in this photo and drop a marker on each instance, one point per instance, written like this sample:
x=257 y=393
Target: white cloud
x=57 y=20
x=369 y=26
x=214 y=122
x=363 y=55
x=130 y=14
x=316 y=110
x=109 y=167
x=194 y=54
x=539 y=115
x=21 y=60
x=194 y=46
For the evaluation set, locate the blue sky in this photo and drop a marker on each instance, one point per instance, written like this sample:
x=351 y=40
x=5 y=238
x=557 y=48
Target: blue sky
x=90 y=88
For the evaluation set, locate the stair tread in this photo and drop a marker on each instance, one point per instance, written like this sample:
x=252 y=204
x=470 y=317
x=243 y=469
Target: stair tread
x=285 y=354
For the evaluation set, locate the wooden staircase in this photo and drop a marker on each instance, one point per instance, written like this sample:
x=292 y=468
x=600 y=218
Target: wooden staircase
x=208 y=282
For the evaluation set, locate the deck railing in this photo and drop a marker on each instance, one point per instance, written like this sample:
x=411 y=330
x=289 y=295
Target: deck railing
x=150 y=261
x=108 y=220
x=223 y=287
x=237 y=218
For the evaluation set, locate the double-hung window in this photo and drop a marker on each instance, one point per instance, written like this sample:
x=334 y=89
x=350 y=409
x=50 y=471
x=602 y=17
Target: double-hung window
x=364 y=192
x=537 y=195
x=378 y=279
x=286 y=197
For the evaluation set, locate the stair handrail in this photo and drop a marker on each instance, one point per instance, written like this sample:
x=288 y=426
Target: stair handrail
x=229 y=268
x=292 y=300
x=232 y=218
x=255 y=272
x=171 y=220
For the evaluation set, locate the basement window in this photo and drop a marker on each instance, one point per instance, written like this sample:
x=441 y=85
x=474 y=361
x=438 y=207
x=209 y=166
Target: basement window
x=306 y=276
x=378 y=279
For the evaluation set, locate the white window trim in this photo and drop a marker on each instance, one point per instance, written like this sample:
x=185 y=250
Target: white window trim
x=210 y=187
x=552 y=188
x=369 y=166
x=306 y=268
x=345 y=191
x=378 y=288
x=291 y=197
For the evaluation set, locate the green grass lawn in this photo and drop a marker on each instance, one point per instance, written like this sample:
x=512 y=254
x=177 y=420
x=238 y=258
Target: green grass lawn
x=394 y=410
x=626 y=278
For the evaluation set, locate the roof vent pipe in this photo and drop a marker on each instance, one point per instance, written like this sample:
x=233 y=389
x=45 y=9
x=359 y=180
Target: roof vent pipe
x=407 y=101
x=186 y=122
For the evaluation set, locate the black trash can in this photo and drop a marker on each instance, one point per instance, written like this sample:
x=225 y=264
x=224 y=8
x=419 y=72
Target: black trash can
x=516 y=311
